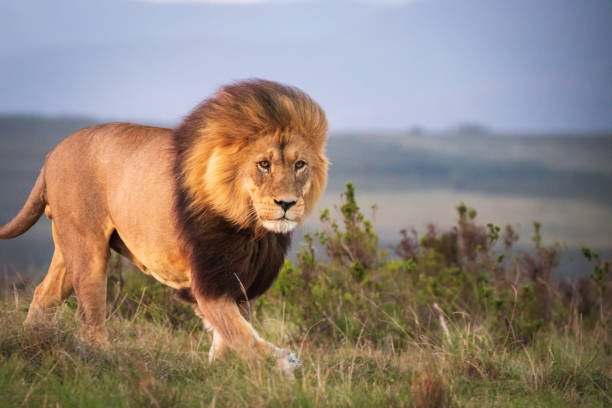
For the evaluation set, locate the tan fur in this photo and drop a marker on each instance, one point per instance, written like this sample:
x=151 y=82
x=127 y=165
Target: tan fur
x=113 y=185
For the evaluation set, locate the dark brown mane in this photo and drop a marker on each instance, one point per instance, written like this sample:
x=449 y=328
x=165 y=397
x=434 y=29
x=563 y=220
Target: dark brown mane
x=224 y=258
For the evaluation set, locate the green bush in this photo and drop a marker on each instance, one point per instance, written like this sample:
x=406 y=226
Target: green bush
x=355 y=291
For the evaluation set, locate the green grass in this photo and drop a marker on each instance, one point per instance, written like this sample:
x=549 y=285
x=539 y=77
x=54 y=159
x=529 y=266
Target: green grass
x=153 y=364
x=369 y=328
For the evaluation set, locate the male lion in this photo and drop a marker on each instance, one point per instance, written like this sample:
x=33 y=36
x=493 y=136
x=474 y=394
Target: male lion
x=207 y=208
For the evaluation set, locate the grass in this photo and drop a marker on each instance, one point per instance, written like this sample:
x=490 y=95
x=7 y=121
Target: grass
x=153 y=364
x=364 y=323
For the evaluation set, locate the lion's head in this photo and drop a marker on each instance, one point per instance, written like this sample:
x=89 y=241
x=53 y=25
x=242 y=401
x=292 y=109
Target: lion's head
x=254 y=153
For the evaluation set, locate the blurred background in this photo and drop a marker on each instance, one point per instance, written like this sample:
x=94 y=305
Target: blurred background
x=503 y=105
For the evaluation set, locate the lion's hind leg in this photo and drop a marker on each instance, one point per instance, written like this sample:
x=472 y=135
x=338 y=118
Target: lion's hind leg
x=89 y=279
x=86 y=252
x=55 y=287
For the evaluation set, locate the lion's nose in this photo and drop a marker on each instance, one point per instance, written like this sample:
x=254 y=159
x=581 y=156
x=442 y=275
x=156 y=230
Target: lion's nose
x=285 y=205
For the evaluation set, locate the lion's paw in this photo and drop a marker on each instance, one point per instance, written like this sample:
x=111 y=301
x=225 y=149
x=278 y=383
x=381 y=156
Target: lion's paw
x=288 y=362
x=294 y=361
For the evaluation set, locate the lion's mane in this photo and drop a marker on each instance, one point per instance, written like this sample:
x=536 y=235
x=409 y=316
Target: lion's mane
x=229 y=254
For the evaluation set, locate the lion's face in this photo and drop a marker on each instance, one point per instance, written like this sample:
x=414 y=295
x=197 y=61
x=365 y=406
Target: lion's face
x=254 y=154
x=277 y=178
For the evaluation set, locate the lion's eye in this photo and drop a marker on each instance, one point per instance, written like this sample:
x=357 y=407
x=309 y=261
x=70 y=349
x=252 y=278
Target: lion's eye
x=299 y=164
x=264 y=164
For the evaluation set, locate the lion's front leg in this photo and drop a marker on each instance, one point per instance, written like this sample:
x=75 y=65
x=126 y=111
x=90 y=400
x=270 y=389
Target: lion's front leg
x=232 y=329
x=217 y=348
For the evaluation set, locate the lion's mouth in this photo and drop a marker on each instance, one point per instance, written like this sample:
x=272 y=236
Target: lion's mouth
x=281 y=225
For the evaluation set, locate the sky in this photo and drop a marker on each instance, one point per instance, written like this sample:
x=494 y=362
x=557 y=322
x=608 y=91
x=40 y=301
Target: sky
x=520 y=65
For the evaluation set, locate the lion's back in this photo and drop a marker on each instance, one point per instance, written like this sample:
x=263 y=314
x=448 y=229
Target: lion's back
x=103 y=145
x=90 y=161
x=116 y=138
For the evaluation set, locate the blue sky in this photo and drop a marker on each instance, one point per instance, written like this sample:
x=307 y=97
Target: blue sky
x=519 y=65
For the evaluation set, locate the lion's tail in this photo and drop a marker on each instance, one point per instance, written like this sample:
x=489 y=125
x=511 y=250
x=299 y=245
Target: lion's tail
x=30 y=212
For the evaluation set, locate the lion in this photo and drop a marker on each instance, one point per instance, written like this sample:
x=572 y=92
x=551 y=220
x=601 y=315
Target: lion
x=207 y=208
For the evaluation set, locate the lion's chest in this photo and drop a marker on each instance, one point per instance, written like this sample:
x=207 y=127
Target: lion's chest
x=232 y=263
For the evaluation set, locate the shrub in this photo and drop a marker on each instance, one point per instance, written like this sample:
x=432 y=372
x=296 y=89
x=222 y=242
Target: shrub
x=355 y=292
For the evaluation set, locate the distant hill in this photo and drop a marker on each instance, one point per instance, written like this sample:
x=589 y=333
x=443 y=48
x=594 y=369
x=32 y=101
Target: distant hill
x=550 y=166
x=466 y=160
